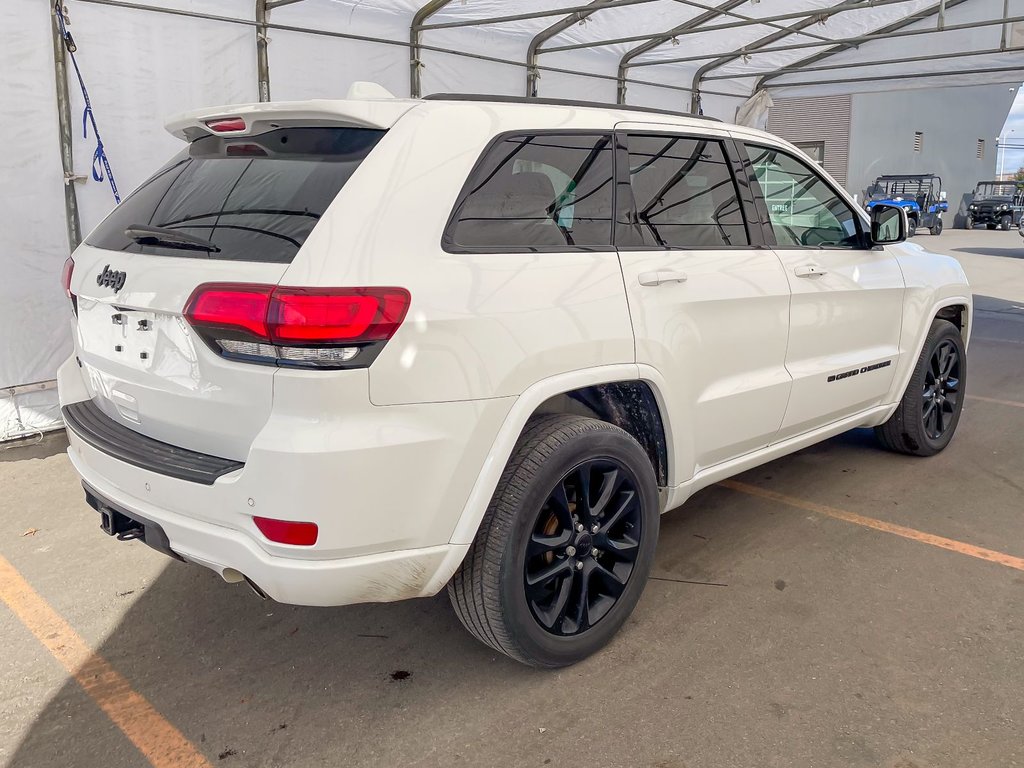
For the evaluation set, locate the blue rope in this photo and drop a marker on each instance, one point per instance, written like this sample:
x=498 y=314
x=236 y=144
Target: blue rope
x=100 y=163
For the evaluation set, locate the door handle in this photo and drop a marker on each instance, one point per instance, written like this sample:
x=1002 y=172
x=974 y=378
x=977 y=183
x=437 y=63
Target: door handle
x=809 y=270
x=661 y=276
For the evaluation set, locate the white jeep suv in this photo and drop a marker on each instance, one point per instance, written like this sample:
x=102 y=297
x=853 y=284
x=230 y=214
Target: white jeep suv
x=359 y=350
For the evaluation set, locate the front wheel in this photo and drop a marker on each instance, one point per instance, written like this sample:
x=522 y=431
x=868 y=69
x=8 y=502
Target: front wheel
x=969 y=223
x=911 y=227
x=927 y=416
x=937 y=227
x=1005 y=223
x=566 y=545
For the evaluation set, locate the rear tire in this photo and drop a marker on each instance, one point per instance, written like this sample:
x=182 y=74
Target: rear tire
x=911 y=227
x=928 y=414
x=531 y=585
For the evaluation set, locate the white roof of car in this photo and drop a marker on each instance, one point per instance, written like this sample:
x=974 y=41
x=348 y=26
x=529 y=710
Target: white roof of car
x=370 y=106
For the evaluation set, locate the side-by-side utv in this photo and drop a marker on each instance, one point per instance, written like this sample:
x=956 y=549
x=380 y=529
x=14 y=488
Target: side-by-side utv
x=920 y=194
x=996 y=204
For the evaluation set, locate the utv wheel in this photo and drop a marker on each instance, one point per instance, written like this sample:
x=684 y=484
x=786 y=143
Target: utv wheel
x=566 y=545
x=1005 y=223
x=911 y=227
x=969 y=222
x=927 y=416
x=937 y=227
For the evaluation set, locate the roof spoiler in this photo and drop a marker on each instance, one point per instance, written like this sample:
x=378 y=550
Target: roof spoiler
x=368 y=105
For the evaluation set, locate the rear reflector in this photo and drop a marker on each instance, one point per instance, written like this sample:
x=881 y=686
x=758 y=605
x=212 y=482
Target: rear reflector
x=226 y=124
x=304 y=327
x=288 y=531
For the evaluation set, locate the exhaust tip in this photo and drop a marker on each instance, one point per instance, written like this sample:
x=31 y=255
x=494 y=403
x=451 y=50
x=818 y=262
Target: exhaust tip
x=256 y=589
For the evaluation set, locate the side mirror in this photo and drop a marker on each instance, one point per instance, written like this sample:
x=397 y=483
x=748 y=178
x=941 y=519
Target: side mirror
x=888 y=224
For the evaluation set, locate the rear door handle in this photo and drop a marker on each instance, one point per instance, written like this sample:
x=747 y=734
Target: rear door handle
x=661 y=276
x=809 y=270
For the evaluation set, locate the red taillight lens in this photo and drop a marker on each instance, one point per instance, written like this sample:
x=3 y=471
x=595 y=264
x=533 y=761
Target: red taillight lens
x=65 y=276
x=326 y=315
x=226 y=124
x=223 y=305
x=307 y=327
x=288 y=531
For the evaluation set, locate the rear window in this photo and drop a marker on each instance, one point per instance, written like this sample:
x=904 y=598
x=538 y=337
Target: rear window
x=251 y=198
x=537 y=192
x=684 y=192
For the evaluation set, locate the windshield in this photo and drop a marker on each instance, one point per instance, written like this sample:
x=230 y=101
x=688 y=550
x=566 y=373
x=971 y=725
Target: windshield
x=250 y=198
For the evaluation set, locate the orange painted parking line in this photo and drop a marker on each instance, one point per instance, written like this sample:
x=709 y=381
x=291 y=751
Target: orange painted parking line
x=1012 y=403
x=880 y=525
x=162 y=744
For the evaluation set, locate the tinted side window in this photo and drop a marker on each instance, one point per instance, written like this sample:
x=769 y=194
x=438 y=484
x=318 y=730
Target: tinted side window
x=537 y=191
x=253 y=198
x=684 y=192
x=803 y=209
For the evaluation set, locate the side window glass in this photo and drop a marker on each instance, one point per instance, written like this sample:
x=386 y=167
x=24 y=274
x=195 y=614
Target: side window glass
x=538 y=191
x=803 y=209
x=684 y=192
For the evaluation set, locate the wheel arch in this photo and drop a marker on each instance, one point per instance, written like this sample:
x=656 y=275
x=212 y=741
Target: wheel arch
x=955 y=308
x=627 y=395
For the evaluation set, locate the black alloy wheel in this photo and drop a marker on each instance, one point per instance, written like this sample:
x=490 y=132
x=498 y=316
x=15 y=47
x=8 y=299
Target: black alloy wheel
x=927 y=416
x=941 y=395
x=583 y=547
x=565 y=548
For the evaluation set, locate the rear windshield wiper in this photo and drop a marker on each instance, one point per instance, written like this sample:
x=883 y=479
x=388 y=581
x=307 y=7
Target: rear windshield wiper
x=168 y=238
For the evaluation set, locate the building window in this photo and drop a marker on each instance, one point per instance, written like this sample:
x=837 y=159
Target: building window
x=981 y=149
x=918 y=141
x=814 y=150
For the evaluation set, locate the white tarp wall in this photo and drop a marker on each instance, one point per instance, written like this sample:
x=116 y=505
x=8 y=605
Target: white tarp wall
x=142 y=66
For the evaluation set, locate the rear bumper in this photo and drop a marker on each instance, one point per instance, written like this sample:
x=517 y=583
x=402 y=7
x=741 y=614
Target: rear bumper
x=385 y=485
x=234 y=555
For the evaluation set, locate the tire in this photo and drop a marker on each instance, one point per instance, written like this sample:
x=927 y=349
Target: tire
x=937 y=227
x=1005 y=223
x=911 y=227
x=911 y=428
x=969 y=223
x=490 y=592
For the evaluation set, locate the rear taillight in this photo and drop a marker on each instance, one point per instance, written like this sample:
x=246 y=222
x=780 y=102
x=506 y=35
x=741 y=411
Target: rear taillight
x=288 y=531
x=299 y=327
x=65 y=281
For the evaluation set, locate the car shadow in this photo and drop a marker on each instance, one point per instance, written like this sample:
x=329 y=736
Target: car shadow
x=1009 y=253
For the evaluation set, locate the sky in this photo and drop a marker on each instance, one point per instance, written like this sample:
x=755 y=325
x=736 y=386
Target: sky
x=1013 y=135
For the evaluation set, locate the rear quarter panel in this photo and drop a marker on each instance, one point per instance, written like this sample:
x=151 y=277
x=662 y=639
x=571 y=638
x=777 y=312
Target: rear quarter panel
x=480 y=325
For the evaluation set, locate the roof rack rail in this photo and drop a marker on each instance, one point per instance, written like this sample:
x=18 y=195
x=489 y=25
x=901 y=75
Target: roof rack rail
x=560 y=103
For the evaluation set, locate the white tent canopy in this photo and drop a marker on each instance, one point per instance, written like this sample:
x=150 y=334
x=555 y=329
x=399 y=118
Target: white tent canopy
x=146 y=59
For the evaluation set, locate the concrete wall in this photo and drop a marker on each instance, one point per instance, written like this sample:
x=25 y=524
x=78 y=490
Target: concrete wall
x=951 y=119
